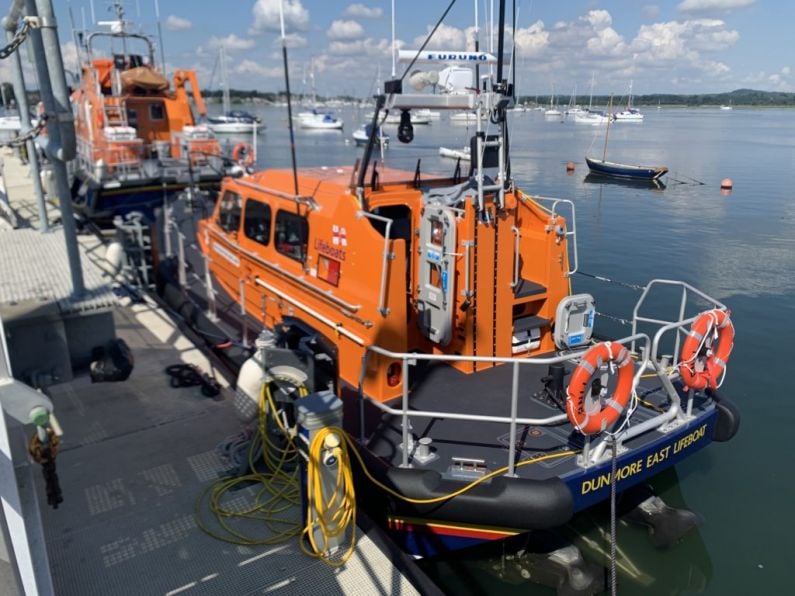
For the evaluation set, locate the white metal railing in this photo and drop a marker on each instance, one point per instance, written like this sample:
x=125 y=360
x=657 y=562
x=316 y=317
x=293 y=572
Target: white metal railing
x=570 y=234
x=680 y=324
x=385 y=258
x=512 y=419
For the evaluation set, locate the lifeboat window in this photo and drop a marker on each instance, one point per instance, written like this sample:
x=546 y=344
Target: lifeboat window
x=291 y=235
x=157 y=111
x=257 y=221
x=229 y=212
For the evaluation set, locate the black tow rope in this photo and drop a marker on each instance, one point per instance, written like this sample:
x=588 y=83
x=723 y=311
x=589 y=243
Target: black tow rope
x=188 y=375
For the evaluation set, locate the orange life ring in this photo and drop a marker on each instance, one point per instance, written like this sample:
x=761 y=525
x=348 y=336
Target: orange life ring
x=243 y=153
x=700 y=369
x=589 y=423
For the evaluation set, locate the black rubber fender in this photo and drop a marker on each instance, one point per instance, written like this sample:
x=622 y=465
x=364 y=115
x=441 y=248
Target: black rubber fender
x=728 y=421
x=509 y=502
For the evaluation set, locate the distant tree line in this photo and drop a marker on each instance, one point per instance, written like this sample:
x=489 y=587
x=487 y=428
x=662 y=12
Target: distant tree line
x=741 y=97
x=239 y=95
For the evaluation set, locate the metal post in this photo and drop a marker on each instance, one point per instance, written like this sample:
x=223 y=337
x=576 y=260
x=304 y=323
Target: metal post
x=244 y=320
x=254 y=143
x=61 y=130
x=182 y=275
x=514 y=407
x=208 y=281
x=167 y=223
x=24 y=121
x=405 y=379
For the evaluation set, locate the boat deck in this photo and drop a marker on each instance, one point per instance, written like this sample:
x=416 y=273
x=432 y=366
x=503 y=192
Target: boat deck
x=442 y=388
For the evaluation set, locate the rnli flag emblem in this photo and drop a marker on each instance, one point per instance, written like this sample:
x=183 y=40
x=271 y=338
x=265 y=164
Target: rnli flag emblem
x=339 y=236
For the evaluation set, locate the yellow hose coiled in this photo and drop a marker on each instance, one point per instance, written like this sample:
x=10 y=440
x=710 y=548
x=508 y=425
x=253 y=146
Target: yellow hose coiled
x=330 y=511
x=279 y=489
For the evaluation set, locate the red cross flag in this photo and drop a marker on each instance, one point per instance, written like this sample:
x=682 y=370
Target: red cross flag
x=338 y=236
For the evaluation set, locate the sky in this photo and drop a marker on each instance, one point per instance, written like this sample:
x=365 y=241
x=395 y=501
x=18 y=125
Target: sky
x=673 y=46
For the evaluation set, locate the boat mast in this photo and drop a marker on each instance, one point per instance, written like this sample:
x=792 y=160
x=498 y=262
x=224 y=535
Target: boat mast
x=394 y=43
x=477 y=48
x=289 y=101
x=629 y=100
x=225 y=98
x=607 y=130
x=160 y=36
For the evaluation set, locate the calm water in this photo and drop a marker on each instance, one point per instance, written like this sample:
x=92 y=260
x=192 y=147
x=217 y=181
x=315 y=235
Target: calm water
x=739 y=248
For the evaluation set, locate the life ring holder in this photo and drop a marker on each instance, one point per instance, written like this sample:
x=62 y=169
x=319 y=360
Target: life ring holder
x=700 y=363
x=613 y=406
x=243 y=154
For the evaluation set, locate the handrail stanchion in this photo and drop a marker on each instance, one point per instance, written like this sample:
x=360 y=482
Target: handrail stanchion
x=514 y=408
x=405 y=378
x=182 y=275
x=681 y=318
x=208 y=282
x=244 y=318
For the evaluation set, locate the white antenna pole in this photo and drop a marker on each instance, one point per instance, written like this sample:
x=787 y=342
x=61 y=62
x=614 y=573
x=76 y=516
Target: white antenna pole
x=491 y=27
x=83 y=14
x=160 y=36
x=281 y=20
x=289 y=100
x=491 y=36
x=394 y=42
x=93 y=14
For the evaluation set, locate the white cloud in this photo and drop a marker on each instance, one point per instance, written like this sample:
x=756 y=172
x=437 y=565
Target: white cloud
x=250 y=67
x=175 y=23
x=683 y=39
x=369 y=47
x=69 y=56
x=444 y=38
x=713 y=5
x=292 y=40
x=266 y=15
x=362 y=11
x=531 y=41
x=346 y=30
x=231 y=43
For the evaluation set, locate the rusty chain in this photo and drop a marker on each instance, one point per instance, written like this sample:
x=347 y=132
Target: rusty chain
x=27 y=24
x=28 y=136
x=44 y=454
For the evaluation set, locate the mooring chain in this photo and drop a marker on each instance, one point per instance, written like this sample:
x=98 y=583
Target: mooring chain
x=28 y=136
x=28 y=23
x=44 y=454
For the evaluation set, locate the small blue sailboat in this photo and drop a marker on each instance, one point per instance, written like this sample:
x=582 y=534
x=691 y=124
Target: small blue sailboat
x=620 y=170
x=603 y=167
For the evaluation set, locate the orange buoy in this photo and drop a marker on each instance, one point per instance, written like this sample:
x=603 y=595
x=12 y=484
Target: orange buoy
x=570 y=166
x=608 y=409
x=243 y=153
x=726 y=184
x=703 y=362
